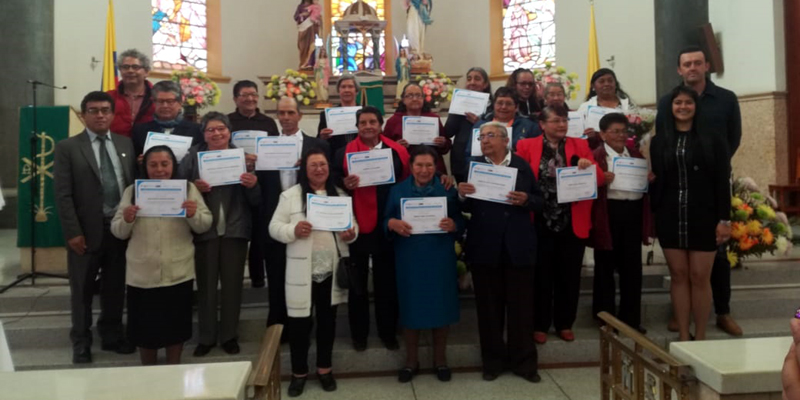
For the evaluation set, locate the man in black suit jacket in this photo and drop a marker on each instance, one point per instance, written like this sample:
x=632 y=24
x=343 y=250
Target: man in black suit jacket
x=272 y=184
x=167 y=118
x=501 y=249
x=91 y=171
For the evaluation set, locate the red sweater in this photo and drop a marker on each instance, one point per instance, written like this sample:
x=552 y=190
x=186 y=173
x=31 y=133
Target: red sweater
x=123 y=119
x=394 y=130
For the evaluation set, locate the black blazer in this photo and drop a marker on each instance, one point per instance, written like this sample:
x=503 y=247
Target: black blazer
x=184 y=128
x=496 y=228
x=337 y=142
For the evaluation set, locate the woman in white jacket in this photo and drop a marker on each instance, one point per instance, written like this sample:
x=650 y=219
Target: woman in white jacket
x=312 y=258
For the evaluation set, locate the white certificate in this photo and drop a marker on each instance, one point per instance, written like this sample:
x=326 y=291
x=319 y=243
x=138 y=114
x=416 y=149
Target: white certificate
x=492 y=182
x=573 y=184
x=247 y=140
x=329 y=213
x=420 y=130
x=277 y=153
x=374 y=167
x=221 y=167
x=342 y=119
x=630 y=174
x=594 y=114
x=160 y=198
x=476 y=144
x=465 y=101
x=177 y=143
x=424 y=214
x=576 y=128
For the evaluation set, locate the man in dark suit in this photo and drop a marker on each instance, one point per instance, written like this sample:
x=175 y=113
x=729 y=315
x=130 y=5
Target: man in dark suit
x=272 y=184
x=91 y=171
x=501 y=249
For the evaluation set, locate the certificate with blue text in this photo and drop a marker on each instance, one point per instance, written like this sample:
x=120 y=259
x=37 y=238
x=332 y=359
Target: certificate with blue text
x=221 y=167
x=160 y=197
x=420 y=130
x=329 y=213
x=573 y=184
x=177 y=143
x=467 y=101
x=342 y=120
x=374 y=167
x=492 y=182
x=594 y=114
x=630 y=174
x=247 y=140
x=424 y=214
x=277 y=153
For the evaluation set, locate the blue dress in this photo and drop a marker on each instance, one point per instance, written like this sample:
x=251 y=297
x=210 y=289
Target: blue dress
x=427 y=280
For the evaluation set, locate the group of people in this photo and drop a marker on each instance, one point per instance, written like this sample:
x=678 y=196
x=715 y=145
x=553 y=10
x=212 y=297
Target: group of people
x=525 y=253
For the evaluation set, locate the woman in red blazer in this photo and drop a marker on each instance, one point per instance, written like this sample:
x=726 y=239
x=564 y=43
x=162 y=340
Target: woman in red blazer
x=562 y=229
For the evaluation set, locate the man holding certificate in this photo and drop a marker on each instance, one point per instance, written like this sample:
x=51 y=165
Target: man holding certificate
x=562 y=227
x=501 y=251
x=369 y=203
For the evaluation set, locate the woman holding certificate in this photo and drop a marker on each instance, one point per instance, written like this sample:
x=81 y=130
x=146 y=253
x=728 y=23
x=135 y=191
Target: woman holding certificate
x=423 y=219
x=414 y=125
x=564 y=222
x=459 y=127
x=160 y=261
x=605 y=94
x=691 y=200
x=219 y=170
x=312 y=260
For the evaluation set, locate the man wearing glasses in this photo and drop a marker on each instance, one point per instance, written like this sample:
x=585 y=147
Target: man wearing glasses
x=132 y=98
x=168 y=118
x=247 y=116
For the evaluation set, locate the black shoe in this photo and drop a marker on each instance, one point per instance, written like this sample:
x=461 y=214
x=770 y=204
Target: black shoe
x=490 y=376
x=202 y=349
x=530 y=377
x=121 y=347
x=391 y=344
x=296 y=386
x=231 y=347
x=406 y=374
x=257 y=284
x=327 y=381
x=359 y=346
x=82 y=355
x=642 y=330
x=443 y=373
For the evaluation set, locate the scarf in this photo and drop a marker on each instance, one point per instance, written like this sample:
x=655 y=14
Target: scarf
x=169 y=124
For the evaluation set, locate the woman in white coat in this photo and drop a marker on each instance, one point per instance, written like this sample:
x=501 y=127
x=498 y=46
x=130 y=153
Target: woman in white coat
x=312 y=258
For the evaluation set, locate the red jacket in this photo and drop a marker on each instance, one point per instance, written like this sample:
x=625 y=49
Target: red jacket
x=531 y=151
x=394 y=130
x=123 y=120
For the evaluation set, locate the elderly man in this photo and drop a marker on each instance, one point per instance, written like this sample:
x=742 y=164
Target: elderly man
x=347 y=87
x=501 y=249
x=91 y=171
x=272 y=184
x=168 y=117
x=133 y=102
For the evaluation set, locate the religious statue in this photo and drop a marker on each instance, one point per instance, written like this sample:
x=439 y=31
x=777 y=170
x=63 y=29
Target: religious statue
x=322 y=75
x=403 y=74
x=418 y=18
x=309 y=19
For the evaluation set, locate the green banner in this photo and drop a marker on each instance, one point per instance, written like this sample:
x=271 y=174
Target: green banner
x=52 y=126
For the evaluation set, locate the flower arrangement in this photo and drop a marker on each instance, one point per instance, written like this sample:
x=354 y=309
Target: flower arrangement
x=551 y=73
x=197 y=88
x=755 y=226
x=437 y=88
x=294 y=84
x=640 y=122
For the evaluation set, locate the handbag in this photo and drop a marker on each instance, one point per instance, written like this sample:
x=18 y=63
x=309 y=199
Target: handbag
x=345 y=271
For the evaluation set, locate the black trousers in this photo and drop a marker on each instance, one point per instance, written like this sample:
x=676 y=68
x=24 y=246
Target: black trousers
x=384 y=282
x=300 y=329
x=721 y=282
x=109 y=263
x=557 y=279
x=256 y=257
x=625 y=223
x=275 y=257
x=504 y=301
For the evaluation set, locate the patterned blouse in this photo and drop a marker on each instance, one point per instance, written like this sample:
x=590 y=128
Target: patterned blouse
x=557 y=217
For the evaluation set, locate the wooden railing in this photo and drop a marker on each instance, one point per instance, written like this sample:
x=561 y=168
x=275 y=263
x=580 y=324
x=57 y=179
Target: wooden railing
x=266 y=376
x=633 y=367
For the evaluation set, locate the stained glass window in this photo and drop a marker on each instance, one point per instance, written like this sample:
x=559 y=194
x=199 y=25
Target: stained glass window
x=359 y=48
x=179 y=34
x=529 y=34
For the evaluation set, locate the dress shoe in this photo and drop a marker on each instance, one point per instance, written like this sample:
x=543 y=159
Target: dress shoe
x=490 y=376
x=296 y=386
x=231 y=346
x=82 y=355
x=257 y=284
x=443 y=373
x=530 y=377
x=406 y=374
x=202 y=349
x=121 y=347
x=391 y=344
x=672 y=326
x=566 y=335
x=327 y=381
x=540 y=337
x=359 y=346
x=641 y=330
x=727 y=324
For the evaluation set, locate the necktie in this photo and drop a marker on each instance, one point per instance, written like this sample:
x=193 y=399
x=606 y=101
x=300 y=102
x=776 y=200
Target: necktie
x=110 y=186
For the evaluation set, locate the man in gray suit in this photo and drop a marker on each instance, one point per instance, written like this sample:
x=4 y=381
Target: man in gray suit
x=91 y=171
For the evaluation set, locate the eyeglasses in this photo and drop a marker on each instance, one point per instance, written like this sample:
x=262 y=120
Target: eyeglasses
x=413 y=96
x=135 y=67
x=316 y=166
x=249 y=95
x=490 y=135
x=103 y=111
x=218 y=129
x=166 y=102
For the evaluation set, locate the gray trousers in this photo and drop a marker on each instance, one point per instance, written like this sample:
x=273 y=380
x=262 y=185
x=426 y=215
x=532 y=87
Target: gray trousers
x=219 y=259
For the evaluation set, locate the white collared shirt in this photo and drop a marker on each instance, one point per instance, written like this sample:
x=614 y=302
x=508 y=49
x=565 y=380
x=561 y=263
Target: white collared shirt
x=115 y=162
x=619 y=194
x=289 y=177
x=504 y=163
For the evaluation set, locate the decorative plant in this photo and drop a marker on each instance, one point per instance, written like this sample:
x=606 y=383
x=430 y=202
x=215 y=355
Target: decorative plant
x=437 y=88
x=551 y=73
x=197 y=88
x=640 y=122
x=294 y=84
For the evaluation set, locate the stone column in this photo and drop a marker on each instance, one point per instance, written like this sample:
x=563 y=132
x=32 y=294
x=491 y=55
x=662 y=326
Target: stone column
x=677 y=24
x=791 y=12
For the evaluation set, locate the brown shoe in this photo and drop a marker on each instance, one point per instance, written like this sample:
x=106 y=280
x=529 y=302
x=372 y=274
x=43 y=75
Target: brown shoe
x=727 y=324
x=672 y=326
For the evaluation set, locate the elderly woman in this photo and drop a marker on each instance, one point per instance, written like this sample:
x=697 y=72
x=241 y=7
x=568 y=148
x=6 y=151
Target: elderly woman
x=414 y=105
x=312 y=259
x=427 y=287
x=168 y=117
x=220 y=253
x=523 y=83
x=691 y=201
x=604 y=91
x=555 y=95
x=160 y=264
x=459 y=127
x=562 y=228
x=347 y=86
x=133 y=103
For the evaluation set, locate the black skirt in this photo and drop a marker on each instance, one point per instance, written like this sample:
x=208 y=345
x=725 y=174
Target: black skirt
x=160 y=317
x=701 y=231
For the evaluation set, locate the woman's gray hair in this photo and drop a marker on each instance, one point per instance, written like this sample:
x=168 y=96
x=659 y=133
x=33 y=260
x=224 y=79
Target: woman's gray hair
x=166 y=87
x=133 y=53
x=348 y=77
x=552 y=85
x=498 y=127
x=215 y=116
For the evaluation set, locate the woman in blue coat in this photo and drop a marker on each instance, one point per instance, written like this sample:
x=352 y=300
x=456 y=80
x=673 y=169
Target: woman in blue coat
x=427 y=284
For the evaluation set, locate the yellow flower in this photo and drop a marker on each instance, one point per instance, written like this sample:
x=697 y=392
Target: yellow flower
x=269 y=93
x=767 y=237
x=275 y=77
x=733 y=259
x=304 y=76
x=736 y=202
x=738 y=230
x=754 y=228
x=306 y=101
x=190 y=101
x=312 y=93
x=289 y=71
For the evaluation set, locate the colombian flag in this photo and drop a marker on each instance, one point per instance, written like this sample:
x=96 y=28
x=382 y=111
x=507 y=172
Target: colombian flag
x=110 y=78
x=593 y=62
